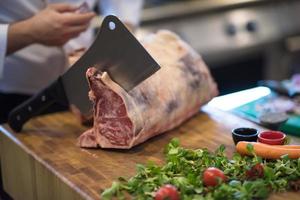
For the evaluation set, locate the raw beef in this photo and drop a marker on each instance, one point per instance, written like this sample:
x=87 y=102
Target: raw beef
x=163 y=101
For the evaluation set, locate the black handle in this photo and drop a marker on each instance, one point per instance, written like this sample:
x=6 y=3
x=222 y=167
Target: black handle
x=36 y=104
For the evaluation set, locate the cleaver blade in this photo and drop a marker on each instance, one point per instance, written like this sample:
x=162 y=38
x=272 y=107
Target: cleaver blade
x=115 y=50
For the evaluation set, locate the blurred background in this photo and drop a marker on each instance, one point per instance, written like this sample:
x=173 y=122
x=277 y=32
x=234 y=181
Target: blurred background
x=242 y=41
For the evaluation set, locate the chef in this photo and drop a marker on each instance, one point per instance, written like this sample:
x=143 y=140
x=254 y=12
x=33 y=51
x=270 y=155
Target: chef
x=35 y=37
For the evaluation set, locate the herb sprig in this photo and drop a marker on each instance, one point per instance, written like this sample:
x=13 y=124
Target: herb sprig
x=184 y=169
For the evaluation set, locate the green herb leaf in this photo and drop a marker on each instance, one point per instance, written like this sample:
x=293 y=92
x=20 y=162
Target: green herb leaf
x=250 y=148
x=184 y=169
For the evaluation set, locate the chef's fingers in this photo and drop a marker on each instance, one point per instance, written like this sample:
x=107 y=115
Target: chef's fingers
x=63 y=7
x=65 y=38
x=74 y=30
x=78 y=18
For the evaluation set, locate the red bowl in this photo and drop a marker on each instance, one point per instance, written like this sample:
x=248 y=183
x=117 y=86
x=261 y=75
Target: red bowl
x=272 y=137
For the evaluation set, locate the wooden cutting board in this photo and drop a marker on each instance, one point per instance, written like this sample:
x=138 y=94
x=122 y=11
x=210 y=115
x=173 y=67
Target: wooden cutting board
x=43 y=162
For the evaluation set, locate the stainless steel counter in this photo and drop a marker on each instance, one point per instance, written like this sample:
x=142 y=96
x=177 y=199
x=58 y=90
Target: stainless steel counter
x=252 y=38
x=188 y=7
x=234 y=27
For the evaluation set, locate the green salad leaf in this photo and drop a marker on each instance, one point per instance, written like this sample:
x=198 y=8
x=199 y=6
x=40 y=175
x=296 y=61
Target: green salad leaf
x=184 y=169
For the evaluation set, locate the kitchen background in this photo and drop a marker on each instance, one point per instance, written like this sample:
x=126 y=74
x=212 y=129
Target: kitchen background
x=242 y=41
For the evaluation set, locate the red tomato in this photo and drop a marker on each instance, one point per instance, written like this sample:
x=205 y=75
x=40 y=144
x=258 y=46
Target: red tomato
x=212 y=176
x=167 y=192
x=257 y=171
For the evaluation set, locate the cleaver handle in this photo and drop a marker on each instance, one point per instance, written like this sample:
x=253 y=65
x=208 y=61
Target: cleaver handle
x=36 y=104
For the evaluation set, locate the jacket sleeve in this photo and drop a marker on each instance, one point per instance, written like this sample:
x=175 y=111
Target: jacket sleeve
x=3 y=45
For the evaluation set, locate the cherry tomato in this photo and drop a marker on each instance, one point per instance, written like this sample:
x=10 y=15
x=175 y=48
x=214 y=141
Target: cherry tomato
x=257 y=171
x=167 y=192
x=212 y=176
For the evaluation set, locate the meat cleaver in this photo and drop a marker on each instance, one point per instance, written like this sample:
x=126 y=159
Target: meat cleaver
x=115 y=50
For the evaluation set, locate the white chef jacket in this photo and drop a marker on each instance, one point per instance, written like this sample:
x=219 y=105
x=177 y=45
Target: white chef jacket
x=36 y=66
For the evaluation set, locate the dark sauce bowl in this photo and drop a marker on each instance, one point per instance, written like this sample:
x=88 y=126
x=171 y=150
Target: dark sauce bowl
x=244 y=134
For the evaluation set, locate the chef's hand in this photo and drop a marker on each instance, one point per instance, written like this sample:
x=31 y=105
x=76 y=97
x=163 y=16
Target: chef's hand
x=53 y=26
x=58 y=23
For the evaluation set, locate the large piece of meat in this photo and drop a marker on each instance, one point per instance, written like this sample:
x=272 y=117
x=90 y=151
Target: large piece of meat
x=163 y=101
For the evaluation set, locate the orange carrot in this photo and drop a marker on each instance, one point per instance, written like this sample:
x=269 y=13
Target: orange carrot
x=288 y=146
x=267 y=151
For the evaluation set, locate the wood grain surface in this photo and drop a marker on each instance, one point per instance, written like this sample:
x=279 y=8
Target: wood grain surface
x=43 y=162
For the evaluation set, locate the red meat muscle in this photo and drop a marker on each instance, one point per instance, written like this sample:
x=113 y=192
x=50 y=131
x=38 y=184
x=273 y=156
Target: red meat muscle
x=163 y=101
